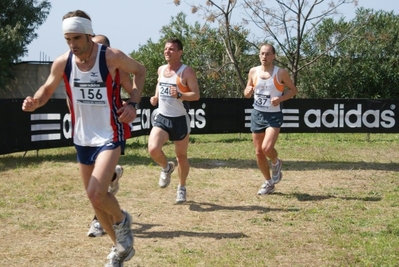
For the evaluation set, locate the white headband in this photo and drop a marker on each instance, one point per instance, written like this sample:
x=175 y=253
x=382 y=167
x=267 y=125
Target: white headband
x=77 y=25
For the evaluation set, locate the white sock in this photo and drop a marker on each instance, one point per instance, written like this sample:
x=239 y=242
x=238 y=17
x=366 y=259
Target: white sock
x=167 y=169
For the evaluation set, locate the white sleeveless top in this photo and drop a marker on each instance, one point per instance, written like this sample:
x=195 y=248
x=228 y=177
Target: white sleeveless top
x=265 y=90
x=94 y=99
x=167 y=104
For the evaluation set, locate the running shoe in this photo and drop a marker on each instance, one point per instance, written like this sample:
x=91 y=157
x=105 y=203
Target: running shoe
x=113 y=188
x=277 y=175
x=164 y=178
x=124 y=240
x=114 y=260
x=95 y=229
x=181 y=195
x=266 y=188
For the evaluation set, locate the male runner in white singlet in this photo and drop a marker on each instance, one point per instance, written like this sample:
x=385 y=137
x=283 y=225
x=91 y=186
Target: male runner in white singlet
x=99 y=119
x=96 y=228
x=177 y=84
x=267 y=83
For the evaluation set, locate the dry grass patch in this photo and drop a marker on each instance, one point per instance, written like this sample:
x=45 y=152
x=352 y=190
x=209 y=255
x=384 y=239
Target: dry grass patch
x=336 y=206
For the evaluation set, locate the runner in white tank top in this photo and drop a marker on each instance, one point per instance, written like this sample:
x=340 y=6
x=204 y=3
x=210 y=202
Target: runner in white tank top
x=167 y=104
x=96 y=109
x=267 y=83
x=177 y=84
x=95 y=99
x=265 y=90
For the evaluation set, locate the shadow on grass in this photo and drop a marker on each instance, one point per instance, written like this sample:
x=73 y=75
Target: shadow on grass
x=208 y=207
x=307 y=197
x=69 y=155
x=294 y=165
x=143 y=232
x=222 y=140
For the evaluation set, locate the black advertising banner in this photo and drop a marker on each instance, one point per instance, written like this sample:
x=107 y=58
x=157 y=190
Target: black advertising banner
x=50 y=125
x=47 y=127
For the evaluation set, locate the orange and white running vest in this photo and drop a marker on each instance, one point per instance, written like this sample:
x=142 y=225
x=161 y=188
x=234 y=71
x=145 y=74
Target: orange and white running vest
x=265 y=90
x=168 y=105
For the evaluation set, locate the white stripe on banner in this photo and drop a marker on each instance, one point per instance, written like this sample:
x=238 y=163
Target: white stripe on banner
x=136 y=127
x=290 y=110
x=44 y=127
x=291 y=118
x=291 y=125
x=45 y=137
x=47 y=116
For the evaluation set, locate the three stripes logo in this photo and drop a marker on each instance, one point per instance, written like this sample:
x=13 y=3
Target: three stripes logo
x=45 y=127
x=291 y=118
x=54 y=126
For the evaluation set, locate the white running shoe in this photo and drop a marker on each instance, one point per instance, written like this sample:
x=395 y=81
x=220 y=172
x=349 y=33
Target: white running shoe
x=95 y=229
x=112 y=253
x=114 y=260
x=181 y=195
x=266 y=188
x=124 y=241
x=164 y=177
x=277 y=175
x=113 y=188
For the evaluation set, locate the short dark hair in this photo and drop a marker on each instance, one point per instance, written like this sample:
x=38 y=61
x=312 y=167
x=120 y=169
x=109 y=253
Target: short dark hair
x=106 y=40
x=272 y=47
x=176 y=41
x=76 y=13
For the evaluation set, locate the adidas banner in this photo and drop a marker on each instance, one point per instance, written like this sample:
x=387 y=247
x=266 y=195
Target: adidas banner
x=50 y=125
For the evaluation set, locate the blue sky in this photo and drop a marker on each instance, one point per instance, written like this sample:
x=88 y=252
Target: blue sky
x=130 y=23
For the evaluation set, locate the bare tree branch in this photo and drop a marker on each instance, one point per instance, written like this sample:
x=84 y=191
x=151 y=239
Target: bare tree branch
x=290 y=23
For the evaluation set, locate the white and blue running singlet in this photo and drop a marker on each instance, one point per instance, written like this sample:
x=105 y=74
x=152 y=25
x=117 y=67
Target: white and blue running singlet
x=94 y=99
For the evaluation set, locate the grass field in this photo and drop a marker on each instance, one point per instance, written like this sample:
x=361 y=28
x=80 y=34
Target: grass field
x=337 y=205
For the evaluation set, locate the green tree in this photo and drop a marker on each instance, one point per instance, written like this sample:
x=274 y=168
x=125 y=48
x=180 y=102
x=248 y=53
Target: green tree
x=366 y=65
x=18 y=21
x=204 y=51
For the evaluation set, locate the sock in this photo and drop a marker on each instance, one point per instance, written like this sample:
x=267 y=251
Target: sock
x=167 y=169
x=182 y=187
x=123 y=221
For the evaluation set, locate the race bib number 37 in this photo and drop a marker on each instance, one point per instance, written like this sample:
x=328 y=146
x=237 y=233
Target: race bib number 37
x=263 y=100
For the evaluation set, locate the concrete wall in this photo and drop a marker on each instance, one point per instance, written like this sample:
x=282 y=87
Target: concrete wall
x=29 y=77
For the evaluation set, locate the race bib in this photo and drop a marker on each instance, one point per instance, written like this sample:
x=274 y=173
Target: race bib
x=93 y=94
x=263 y=101
x=164 y=89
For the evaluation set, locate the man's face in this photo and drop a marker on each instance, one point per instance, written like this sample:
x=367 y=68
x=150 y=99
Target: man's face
x=171 y=52
x=266 y=54
x=78 y=43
